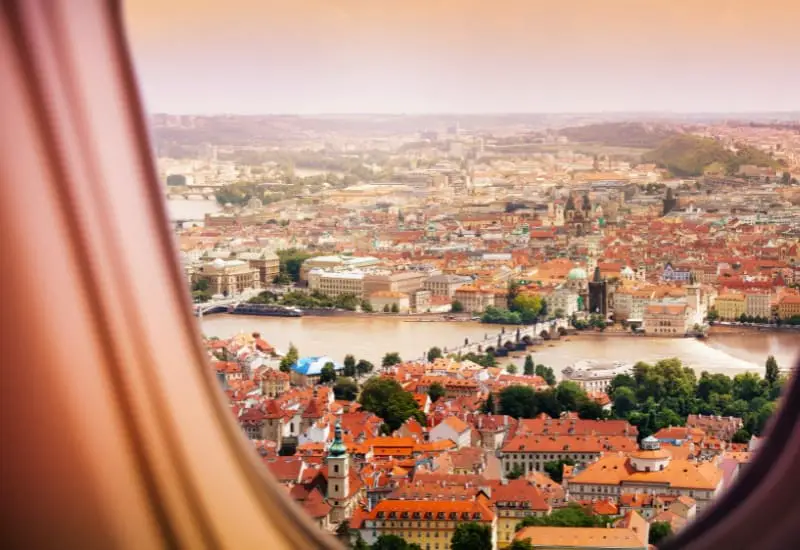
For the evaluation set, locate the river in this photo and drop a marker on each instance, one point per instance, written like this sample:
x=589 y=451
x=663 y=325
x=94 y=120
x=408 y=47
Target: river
x=371 y=338
x=182 y=209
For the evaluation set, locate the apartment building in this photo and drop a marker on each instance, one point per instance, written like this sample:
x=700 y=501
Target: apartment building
x=476 y=300
x=757 y=304
x=631 y=533
x=565 y=299
x=513 y=501
x=730 y=306
x=445 y=285
x=336 y=283
x=406 y=282
x=530 y=453
x=428 y=523
x=388 y=300
x=649 y=470
x=268 y=264
x=789 y=306
x=594 y=376
x=331 y=263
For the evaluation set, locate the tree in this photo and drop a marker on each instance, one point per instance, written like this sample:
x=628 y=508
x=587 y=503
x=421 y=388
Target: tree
x=484 y=360
x=624 y=402
x=386 y=308
x=712 y=315
x=786 y=177
x=436 y=391
x=528 y=368
x=395 y=309
x=555 y=468
x=434 y=353
x=392 y=542
x=741 y=436
x=363 y=367
x=528 y=306
x=388 y=400
x=559 y=313
x=366 y=306
x=201 y=285
x=573 y=515
x=343 y=531
x=772 y=371
x=456 y=307
x=659 y=530
x=289 y=359
x=488 y=405
x=524 y=544
x=511 y=368
x=589 y=409
x=390 y=359
x=359 y=543
x=291 y=261
x=282 y=279
x=471 y=536
x=328 y=373
x=569 y=395
x=746 y=386
x=713 y=383
x=518 y=401
x=515 y=473
x=349 y=366
x=546 y=373
x=345 y=389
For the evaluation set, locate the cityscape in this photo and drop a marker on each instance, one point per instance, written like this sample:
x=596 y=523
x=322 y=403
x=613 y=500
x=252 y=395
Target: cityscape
x=493 y=331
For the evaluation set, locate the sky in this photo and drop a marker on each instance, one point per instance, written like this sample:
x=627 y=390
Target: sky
x=465 y=56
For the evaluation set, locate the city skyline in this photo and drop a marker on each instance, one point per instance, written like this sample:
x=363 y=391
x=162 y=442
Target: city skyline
x=350 y=57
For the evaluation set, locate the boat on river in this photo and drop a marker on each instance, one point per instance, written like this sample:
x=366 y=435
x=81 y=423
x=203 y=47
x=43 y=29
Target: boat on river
x=267 y=310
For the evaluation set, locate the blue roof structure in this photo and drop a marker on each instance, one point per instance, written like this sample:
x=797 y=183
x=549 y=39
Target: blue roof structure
x=312 y=366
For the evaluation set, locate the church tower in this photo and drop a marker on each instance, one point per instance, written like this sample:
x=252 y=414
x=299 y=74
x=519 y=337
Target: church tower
x=694 y=300
x=598 y=294
x=338 y=463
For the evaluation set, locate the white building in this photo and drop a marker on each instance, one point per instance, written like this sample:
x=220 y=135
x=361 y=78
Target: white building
x=595 y=375
x=336 y=283
x=454 y=429
x=565 y=299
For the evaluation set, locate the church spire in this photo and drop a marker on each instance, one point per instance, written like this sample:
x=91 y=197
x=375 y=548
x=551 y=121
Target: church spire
x=338 y=447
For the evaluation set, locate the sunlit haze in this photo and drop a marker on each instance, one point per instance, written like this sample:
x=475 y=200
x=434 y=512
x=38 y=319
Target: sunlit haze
x=413 y=56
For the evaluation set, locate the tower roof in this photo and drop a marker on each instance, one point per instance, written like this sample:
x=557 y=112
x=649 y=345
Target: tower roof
x=338 y=447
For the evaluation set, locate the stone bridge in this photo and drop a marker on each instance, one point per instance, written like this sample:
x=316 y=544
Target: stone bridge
x=508 y=339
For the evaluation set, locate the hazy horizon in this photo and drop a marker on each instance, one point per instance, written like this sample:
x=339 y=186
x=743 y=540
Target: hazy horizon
x=466 y=57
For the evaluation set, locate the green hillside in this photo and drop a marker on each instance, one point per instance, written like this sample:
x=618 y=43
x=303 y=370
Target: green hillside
x=619 y=134
x=688 y=156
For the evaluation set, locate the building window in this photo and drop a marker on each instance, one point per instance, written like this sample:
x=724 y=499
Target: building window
x=336 y=488
x=335 y=468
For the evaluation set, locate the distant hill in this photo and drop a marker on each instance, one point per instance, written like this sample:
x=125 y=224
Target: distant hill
x=688 y=156
x=619 y=134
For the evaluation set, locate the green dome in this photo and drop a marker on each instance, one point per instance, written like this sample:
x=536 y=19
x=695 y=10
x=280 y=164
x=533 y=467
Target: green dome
x=338 y=447
x=576 y=273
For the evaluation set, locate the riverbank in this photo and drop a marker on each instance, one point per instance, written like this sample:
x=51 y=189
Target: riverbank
x=749 y=329
x=406 y=317
x=371 y=336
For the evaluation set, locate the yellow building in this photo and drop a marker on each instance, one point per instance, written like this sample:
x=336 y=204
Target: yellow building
x=229 y=277
x=428 y=523
x=789 y=306
x=512 y=502
x=631 y=534
x=650 y=470
x=337 y=283
x=730 y=306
